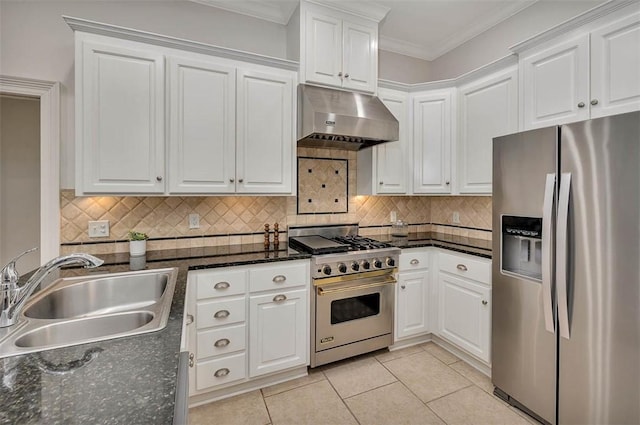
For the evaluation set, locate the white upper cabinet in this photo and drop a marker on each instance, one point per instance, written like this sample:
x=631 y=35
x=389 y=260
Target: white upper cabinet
x=487 y=108
x=202 y=123
x=265 y=132
x=555 y=84
x=576 y=77
x=119 y=119
x=432 y=126
x=339 y=49
x=615 y=67
x=392 y=159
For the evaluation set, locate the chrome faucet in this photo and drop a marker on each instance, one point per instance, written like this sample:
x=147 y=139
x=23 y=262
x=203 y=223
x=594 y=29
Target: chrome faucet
x=14 y=297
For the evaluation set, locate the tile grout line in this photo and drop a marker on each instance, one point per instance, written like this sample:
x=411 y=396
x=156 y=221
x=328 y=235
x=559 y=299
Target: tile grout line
x=342 y=400
x=266 y=407
x=294 y=388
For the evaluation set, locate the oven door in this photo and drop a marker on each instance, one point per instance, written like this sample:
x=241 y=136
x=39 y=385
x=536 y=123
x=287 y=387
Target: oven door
x=353 y=310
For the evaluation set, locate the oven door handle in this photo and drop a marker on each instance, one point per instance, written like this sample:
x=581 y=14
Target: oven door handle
x=389 y=280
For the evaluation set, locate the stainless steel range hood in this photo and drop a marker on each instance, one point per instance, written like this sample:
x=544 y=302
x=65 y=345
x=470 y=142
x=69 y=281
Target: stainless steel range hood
x=329 y=118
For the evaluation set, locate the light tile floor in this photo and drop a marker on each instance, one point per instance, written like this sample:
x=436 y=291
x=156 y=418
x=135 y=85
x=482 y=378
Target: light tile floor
x=423 y=384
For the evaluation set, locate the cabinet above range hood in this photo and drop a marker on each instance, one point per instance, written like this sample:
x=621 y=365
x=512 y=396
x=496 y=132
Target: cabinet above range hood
x=329 y=118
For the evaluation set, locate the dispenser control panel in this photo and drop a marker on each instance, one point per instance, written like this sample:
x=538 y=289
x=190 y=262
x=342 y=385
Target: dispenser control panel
x=522 y=246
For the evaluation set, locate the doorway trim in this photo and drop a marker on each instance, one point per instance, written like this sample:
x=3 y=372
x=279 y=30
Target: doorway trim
x=49 y=94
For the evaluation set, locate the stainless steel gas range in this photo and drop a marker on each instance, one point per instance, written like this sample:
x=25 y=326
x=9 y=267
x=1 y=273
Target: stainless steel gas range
x=353 y=293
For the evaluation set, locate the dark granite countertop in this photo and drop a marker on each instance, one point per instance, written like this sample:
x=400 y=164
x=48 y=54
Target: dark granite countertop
x=478 y=247
x=128 y=380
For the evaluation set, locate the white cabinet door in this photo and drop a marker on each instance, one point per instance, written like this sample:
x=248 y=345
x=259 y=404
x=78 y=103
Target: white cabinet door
x=265 y=132
x=323 y=49
x=202 y=127
x=360 y=57
x=487 y=109
x=278 y=331
x=465 y=314
x=392 y=158
x=555 y=84
x=432 y=142
x=615 y=67
x=412 y=305
x=120 y=120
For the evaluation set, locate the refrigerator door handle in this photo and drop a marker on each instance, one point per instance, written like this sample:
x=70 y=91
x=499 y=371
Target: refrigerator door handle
x=547 y=252
x=561 y=254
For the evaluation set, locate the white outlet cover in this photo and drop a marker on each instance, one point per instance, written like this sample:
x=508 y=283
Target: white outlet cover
x=194 y=221
x=456 y=217
x=99 y=229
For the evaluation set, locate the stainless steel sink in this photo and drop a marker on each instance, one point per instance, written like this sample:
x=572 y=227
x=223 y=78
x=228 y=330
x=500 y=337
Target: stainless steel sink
x=86 y=309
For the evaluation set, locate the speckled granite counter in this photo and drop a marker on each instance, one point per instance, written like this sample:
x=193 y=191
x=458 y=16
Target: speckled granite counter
x=128 y=380
x=478 y=247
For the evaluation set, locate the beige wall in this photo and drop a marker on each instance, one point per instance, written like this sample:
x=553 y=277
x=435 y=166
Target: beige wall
x=36 y=43
x=404 y=69
x=495 y=42
x=19 y=179
x=240 y=219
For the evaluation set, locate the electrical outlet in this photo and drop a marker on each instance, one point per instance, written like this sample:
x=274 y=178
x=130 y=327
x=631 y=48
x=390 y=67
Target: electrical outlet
x=393 y=216
x=99 y=229
x=456 y=217
x=194 y=221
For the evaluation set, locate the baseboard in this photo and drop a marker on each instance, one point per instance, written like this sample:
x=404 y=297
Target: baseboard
x=468 y=358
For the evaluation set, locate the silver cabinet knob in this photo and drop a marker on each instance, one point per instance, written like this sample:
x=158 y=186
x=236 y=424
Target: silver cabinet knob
x=340 y=74
x=221 y=373
x=159 y=178
x=222 y=314
x=461 y=267
x=221 y=343
x=581 y=105
x=381 y=183
x=240 y=180
x=346 y=75
x=447 y=183
x=279 y=298
x=231 y=180
x=191 y=357
x=221 y=285
x=594 y=102
x=485 y=302
x=403 y=286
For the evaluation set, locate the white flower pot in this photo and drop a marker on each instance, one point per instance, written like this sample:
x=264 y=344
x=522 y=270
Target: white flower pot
x=137 y=248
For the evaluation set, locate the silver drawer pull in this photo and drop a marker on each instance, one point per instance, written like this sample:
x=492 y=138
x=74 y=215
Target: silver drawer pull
x=221 y=373
x=461 y=267
x=279 y=298
x=414 y=262
x=222 y=314
x=279 y=278
x=221 y=343
x=221 y=285
x=189 y=319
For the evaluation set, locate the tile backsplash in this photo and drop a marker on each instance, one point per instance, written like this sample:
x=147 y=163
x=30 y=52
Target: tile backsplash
x=240 y=219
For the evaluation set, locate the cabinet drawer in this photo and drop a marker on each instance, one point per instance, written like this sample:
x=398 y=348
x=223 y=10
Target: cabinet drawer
x=274 y=277
x=465 y=266
x=220 y=312
x=221 y=371
x=210 y=284
x=414 y=260
x=214 y=342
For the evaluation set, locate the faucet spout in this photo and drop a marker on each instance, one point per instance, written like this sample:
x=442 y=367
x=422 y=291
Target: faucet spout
x=13 y=298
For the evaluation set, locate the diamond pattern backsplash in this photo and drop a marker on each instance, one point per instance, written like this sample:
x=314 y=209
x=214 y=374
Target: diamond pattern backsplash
x=221 y=216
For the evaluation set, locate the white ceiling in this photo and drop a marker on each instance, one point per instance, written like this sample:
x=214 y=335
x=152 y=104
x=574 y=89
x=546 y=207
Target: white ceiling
x=424 y=29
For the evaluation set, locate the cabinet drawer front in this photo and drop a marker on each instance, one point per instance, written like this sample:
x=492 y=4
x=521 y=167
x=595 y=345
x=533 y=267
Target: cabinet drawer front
x=220 y=371
x=215 y=342
x=414 y=260
x=222 y=312
x=466 y=266
x=220 y=284
x=279 y=276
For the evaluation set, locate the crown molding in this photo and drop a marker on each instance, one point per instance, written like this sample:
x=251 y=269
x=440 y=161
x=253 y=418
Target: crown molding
x=370 y=10
x=403 y=47
x=93 y=27
x=573 y=23
x=278 y=12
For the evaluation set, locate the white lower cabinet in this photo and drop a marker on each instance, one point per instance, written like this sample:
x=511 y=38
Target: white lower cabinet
x=278 y=334
x=248 y=321
x=464 y=306
x=413 y=294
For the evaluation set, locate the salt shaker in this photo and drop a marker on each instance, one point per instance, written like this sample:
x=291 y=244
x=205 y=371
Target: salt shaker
x=266 y=236
x=276 y=236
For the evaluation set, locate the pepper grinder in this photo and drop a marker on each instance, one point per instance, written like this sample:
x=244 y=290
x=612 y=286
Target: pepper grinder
x=266 y=236
x=276 y=235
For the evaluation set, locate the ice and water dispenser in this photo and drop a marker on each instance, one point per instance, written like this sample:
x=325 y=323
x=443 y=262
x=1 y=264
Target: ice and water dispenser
x=522 y=246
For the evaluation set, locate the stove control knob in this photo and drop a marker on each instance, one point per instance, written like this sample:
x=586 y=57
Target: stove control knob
x=355 y=266
x=390 y=262
x=377 y=263
x=326 y=269
x=366 y=265
x=342 y=268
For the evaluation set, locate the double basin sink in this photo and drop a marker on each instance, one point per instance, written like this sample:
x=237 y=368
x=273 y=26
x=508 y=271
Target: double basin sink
x=87 y=309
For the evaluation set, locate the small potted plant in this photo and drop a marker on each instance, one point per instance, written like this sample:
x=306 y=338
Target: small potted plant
x=137 y=243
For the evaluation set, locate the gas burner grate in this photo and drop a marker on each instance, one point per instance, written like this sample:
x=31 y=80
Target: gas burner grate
x=360 y=243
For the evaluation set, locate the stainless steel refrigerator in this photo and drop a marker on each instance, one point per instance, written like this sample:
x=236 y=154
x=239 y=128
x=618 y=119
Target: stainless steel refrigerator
x=566 y=271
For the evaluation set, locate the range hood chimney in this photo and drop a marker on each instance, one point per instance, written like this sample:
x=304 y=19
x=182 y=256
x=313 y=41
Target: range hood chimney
x=329 y=118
